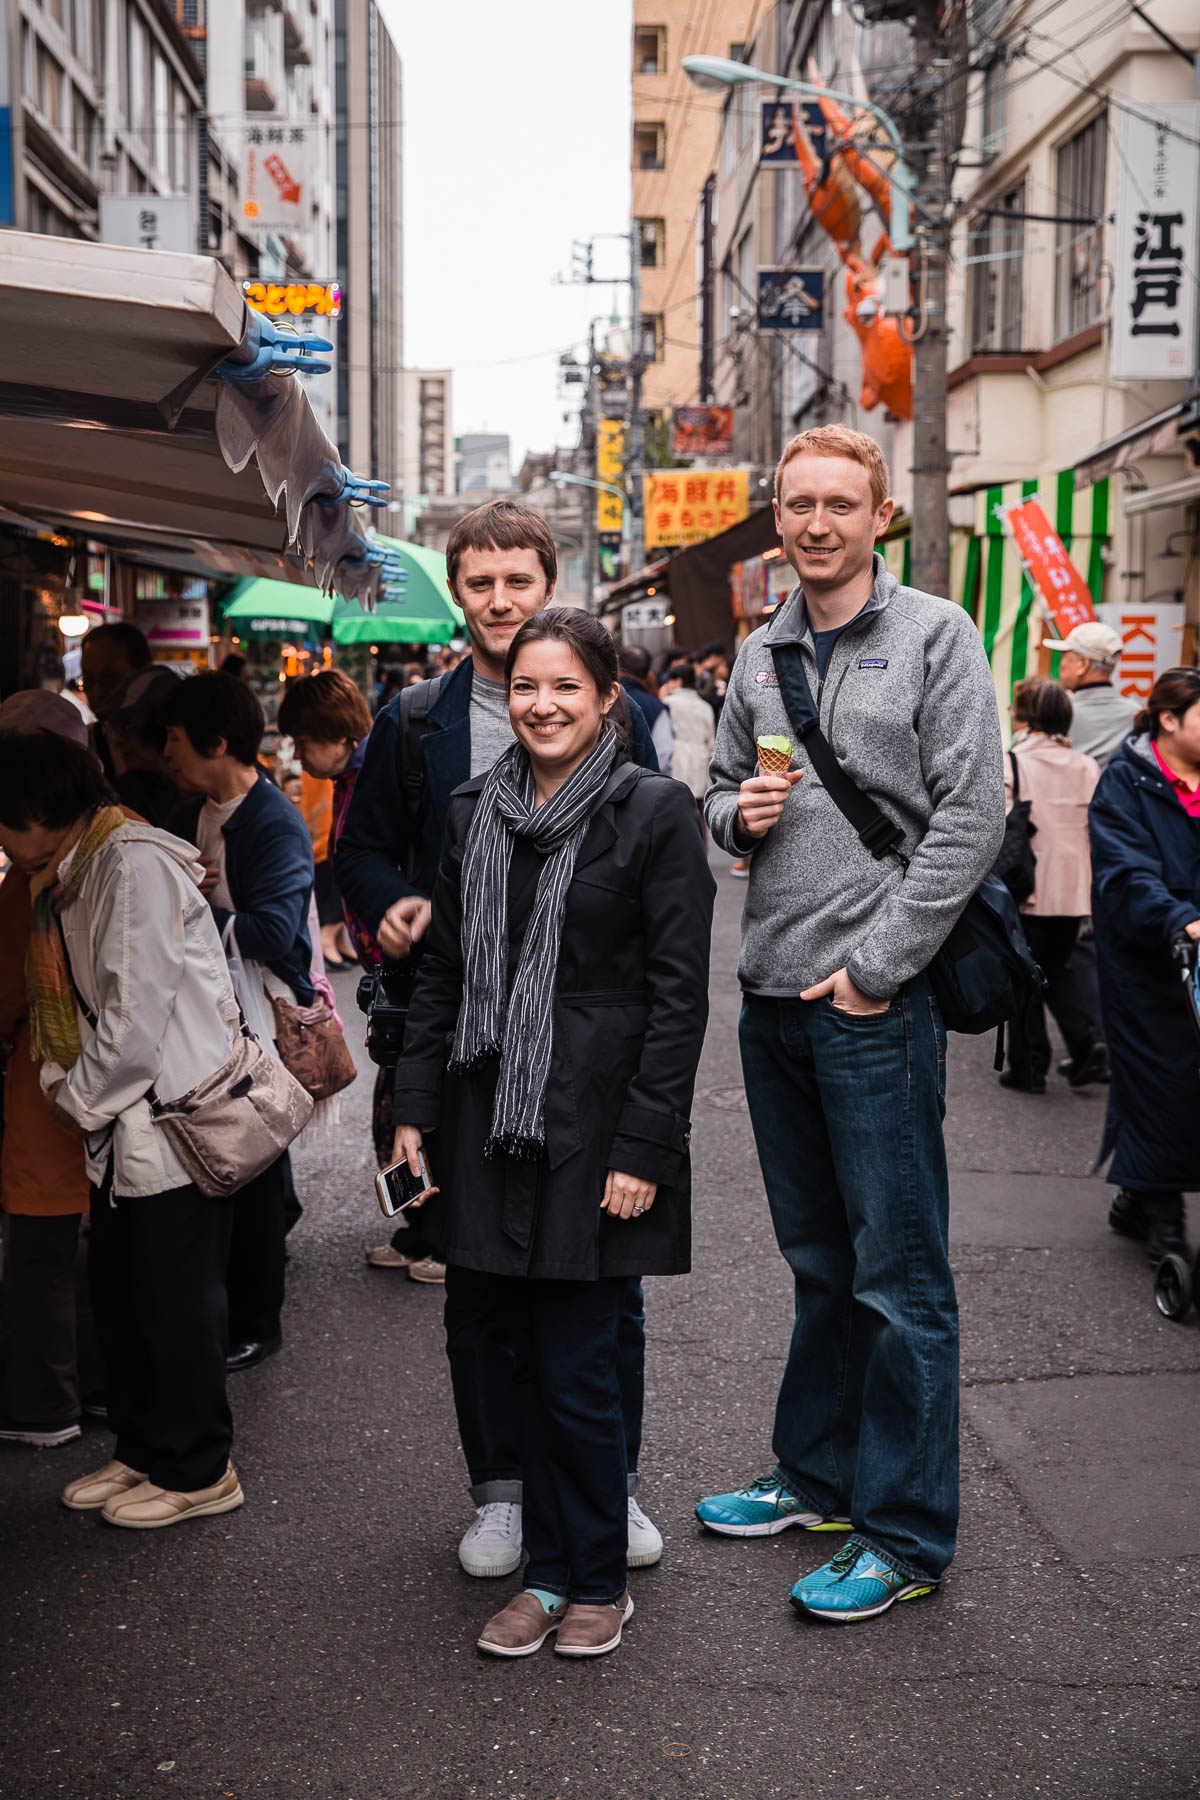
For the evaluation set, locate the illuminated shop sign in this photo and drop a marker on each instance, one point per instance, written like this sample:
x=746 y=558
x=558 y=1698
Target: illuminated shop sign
x=296 y=297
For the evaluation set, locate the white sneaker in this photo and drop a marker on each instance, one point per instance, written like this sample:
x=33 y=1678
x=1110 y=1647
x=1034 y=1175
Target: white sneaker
x=645 y=1539
x=492 y=1545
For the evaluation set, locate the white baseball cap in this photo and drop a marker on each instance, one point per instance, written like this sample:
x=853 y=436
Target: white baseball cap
x=1099 y=643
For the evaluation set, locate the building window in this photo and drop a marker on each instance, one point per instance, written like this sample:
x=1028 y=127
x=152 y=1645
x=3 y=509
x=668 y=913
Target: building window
x=654 y=243
x=652 y=337
x=650 y=50
x=1080 y=183
x=992 y=123
x=649 y=146
x=50 y=88
x=998 y=280
x=84 y=131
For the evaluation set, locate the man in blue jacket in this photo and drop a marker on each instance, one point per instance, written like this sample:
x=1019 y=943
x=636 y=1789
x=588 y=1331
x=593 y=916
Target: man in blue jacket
x=502 y=568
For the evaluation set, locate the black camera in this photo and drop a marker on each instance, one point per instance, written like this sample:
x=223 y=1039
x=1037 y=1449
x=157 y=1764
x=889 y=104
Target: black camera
x=384 y=997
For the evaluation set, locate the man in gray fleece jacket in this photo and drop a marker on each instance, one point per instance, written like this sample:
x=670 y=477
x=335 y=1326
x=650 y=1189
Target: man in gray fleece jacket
x=843 y=1048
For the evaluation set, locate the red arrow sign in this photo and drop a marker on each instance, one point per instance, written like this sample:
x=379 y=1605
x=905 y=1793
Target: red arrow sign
x=289 y=189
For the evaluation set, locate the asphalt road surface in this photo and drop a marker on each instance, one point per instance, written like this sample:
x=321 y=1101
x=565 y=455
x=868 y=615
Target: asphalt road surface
x=321 y=1641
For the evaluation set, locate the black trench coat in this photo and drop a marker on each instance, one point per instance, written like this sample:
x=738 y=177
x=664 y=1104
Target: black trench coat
x=631 y=1004
x=1145 y=889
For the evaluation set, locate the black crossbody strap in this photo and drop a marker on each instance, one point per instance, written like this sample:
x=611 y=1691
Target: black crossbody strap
x=879 y=834
x=1016 y=777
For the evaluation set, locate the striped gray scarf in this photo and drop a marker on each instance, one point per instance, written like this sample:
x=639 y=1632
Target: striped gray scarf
x=519 y=1028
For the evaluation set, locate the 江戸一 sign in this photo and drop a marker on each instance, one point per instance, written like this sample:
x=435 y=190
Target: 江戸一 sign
x=1043 y=556
x=791 y=299
x=1155 y=259
x=276 y=176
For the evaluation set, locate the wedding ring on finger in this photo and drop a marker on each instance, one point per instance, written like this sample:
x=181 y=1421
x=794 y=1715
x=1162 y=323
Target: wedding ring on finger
x=638 y=1211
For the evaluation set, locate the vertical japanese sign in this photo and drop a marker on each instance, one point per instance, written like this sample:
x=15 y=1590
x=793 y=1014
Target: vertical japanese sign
x=1155 y=257
x=1044 y=558
x=277 y=176
x=685 y=506
x=610 y=508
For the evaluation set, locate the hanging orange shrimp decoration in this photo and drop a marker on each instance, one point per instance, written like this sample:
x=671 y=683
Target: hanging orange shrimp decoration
x=835 y=203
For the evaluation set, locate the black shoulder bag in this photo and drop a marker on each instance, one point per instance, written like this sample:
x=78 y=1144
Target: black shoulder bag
x=1016 y=864
x=983 y=975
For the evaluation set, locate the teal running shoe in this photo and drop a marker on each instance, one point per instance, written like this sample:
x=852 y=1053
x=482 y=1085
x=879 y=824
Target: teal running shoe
x=761 y=1510
x=854 y=1584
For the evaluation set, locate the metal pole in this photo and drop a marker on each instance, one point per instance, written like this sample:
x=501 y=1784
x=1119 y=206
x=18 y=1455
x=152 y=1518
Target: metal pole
x=707 y=296
x=590 y=439
x=637 y=430
x=931 y=464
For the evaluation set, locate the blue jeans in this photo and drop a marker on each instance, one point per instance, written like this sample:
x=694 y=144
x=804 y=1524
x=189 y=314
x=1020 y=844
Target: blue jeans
x=847 y=1114
x=487 y=1358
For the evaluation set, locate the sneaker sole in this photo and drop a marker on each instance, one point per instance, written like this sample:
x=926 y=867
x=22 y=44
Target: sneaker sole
x=211 y=1507
x=486 y=1571
x=643 y=1559
x=41 y=1440
x=428 y=1280
x=912 y=1592
x=597 y=1649
x=523 y=1650
x=808 y=1522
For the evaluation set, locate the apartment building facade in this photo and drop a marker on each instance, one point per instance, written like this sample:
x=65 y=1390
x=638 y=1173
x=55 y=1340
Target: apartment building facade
x=674 y=133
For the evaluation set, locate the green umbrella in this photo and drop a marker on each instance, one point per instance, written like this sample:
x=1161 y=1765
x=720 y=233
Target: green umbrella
x=423 y=614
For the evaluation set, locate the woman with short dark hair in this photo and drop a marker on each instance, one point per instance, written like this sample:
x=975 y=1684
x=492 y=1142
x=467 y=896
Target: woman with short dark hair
x=258 y=862
x=1059 y=782
x=1145 y=830
x=550 y=1056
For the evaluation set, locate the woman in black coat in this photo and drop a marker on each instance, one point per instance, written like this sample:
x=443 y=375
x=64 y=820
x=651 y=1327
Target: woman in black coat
x=550 y=1055
x=1144 y=823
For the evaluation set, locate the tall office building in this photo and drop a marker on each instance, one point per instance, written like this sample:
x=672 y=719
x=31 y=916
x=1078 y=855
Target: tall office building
x=370 y=390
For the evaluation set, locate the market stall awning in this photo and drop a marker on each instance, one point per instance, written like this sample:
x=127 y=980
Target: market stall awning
x=422 y=613
x=700 y=592
x=112 y=425
x=1149 y=437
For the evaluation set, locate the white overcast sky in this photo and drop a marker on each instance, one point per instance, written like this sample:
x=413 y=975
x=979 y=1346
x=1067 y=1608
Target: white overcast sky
x=516 y=140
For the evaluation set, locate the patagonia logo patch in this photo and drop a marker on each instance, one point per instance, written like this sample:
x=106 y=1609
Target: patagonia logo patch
x=872 y=662
x=766 y=678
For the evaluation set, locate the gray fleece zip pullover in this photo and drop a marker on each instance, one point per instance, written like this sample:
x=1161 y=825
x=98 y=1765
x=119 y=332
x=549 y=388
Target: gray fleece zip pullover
x=908 y=706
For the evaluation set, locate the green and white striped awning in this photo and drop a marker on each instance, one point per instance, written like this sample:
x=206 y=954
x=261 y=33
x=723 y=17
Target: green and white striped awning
x=987 y=577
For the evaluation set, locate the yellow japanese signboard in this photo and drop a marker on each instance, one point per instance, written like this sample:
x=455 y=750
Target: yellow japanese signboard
x=685 y=506
x=610 y=466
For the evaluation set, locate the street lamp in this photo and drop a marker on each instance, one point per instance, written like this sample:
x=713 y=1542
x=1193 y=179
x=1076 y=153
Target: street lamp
x=712 y=73
x=605 y=487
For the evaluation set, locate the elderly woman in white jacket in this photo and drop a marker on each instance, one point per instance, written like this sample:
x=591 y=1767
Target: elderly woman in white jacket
x=129 y=991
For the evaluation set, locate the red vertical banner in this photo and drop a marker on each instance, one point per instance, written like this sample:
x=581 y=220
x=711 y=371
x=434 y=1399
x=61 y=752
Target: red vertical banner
x=1044 y=558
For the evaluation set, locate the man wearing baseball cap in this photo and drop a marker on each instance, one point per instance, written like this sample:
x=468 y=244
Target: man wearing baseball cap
x=1103 y=716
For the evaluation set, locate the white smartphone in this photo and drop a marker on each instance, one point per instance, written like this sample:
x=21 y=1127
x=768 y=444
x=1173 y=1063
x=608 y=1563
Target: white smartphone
x=397 y=1187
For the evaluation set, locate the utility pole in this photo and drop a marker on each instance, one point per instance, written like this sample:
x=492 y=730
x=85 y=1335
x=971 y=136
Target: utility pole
x=637 y=424
x=931 y=463
x=588 y=437
x=707 y=295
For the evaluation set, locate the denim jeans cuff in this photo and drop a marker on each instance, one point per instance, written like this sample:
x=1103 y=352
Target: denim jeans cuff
x=486 y=1493
x=596 y=1599
x=893 y=1562
x=631 y=1482
x=795 y=1490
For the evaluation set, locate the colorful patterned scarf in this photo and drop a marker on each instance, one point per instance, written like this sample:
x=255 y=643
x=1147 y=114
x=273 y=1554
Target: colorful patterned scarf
x=53 y=1017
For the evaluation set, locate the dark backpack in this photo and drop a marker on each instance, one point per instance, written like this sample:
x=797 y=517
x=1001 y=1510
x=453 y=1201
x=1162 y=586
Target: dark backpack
x=984 y=974
x=1016 y=864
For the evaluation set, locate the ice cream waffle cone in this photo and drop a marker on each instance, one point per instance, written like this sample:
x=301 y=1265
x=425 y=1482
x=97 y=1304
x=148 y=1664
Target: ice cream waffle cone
x=774 y=756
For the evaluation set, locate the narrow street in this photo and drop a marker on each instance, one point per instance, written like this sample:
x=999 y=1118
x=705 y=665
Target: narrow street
x=321 y=1641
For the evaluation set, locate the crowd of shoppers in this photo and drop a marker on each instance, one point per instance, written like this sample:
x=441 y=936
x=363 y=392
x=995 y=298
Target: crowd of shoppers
x=515 y=850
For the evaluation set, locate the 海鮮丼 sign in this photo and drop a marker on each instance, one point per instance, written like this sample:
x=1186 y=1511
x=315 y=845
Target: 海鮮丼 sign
x=1155 y=255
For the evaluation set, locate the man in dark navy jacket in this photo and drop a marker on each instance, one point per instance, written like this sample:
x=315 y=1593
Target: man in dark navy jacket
x=502 y=567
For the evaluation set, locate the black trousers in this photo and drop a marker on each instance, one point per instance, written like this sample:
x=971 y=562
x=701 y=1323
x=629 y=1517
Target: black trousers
x=40 y=1380
x=572 y=1433
x=157 y=1264
x=257 y=1253
x=1051 y=940
x=487 y=1371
